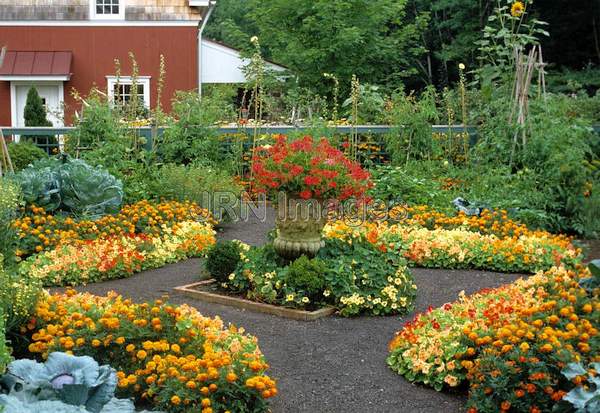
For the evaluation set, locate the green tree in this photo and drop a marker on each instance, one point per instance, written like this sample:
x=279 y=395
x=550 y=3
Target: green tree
x=373 y=39
x=230 y=23
x=35 y=112
x=35 y=115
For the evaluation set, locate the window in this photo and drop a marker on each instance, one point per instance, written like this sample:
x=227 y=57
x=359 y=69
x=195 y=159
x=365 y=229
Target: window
x=107 y=9
x=122 y=90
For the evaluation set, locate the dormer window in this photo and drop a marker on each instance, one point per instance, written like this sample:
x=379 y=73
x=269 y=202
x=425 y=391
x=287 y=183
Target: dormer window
x=107 y=9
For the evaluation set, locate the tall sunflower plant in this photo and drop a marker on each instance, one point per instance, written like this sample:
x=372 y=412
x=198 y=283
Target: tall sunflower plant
x=509 y=28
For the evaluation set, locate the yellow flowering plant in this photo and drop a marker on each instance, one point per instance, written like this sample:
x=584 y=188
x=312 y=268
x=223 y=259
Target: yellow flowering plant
x=39 y=231
x=509 y=343
x=356 y=276
x=118 y=256
x=492 y=241
x=171 y=357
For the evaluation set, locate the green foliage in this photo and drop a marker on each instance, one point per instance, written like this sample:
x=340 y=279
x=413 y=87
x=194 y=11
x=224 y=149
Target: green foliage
x=205 y=185
x=412 y=118
x=40 y=183
x=190 y=137
x=558 y=147
x=569 y=81
x=64 y=383
x=222 y=260
x=353 y=275
x=10 y=201
x=306 y=277
x=98 y=123
x=504 y=33
x=371 y=105
x=89 y=191
x=376 y=40
x=397 y=185
x=19 y=296
x=72 y=186
x=4 y=350
x=35 y=112
x=24 y=153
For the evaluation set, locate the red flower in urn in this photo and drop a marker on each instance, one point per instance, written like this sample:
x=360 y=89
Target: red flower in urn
x=308 y=168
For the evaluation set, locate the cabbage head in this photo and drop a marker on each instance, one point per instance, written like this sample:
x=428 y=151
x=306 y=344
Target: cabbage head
x=70 y=185
x=64 y=383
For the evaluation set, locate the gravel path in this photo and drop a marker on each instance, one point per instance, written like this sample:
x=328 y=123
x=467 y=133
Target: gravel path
x=332 y=365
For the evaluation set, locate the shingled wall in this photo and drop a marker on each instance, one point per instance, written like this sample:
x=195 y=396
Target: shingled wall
x=136 y=10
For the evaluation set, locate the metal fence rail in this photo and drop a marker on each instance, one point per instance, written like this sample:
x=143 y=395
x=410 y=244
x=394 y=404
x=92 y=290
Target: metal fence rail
x=150 y=132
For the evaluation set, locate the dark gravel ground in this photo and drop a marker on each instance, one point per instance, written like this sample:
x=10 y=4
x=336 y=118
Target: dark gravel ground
x=330 y=365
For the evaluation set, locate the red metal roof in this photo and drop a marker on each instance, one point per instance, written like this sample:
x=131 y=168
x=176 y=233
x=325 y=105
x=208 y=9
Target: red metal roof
x=36 y=64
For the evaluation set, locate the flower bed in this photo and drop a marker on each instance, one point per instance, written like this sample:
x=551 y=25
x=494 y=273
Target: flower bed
x=171 y=357
x=142 y=236
x=39 y=231
x=512 y=344
x=352 y=275
x=117 y=256
x=462 y=248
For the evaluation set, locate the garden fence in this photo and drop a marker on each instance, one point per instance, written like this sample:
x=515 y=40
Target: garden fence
x=150 y=133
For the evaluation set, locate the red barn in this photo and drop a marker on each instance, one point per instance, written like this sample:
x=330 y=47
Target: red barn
x=63 y=45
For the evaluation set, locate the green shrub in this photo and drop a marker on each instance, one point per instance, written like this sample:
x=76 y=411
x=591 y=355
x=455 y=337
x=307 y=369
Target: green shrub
x=4 y=350
x=394 y=184
x=72 y=186
x=191 y=136
x=197 y=183
x=18 y=298
x=24 y=153
x=98 y=123
x=306 y=276
x=10 y=200
x=222 y=260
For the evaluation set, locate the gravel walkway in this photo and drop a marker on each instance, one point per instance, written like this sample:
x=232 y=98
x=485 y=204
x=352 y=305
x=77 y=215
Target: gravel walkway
x=334 y=364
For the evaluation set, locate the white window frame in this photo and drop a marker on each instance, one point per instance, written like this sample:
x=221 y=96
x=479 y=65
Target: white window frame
x=96 y=16
x=127 y=80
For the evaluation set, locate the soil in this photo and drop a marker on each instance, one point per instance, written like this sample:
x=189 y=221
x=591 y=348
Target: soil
x=334 y=364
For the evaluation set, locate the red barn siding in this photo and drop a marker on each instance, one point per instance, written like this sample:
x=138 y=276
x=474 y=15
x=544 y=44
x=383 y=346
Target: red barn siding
x=94 y=50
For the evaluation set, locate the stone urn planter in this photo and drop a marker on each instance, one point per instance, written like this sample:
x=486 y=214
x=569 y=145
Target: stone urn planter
x=299 y=228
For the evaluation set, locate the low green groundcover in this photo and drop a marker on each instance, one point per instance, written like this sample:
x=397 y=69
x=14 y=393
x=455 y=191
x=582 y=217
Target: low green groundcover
x=353 y=275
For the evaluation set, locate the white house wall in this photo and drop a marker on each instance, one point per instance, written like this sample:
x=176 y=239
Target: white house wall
x=222 y=64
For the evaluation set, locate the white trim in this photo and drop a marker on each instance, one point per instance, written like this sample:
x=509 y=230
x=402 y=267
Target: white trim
x=200 y=31
x=95 y=16
x=199 y=3
x=109 y=23
x=36 y=78
x=111 y=81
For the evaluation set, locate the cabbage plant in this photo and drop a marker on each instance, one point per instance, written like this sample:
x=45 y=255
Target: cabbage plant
x=63 y=384
x=71 y=185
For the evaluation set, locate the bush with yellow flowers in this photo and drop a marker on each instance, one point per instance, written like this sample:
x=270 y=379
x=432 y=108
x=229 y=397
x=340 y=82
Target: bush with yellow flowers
x=117 y=256
x=459 y=247
x=510 y=344
x=40 y=231
x=170 y=357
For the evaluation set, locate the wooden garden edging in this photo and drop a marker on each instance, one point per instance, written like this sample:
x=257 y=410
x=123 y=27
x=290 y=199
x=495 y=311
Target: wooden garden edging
x=193 y=291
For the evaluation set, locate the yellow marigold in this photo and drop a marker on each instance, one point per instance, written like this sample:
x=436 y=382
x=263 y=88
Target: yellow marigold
x=517 y=9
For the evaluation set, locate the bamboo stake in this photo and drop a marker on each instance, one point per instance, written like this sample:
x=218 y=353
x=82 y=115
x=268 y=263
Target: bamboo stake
x=5 y=155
